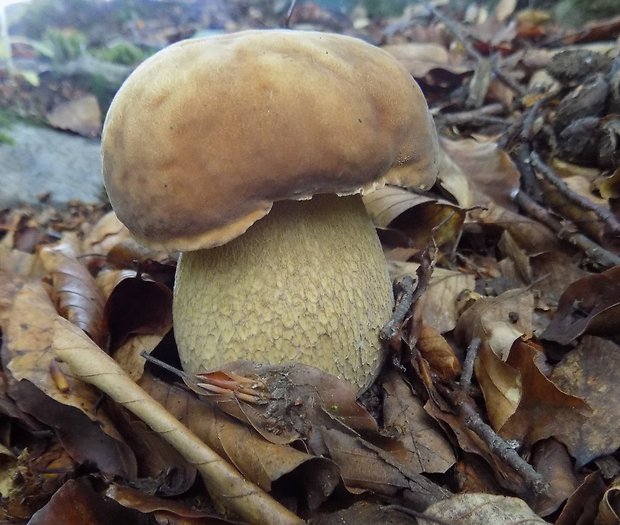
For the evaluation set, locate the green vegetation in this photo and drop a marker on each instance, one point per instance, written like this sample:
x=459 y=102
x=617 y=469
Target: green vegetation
x=576 y=12
x=66 y=45
x=124 y=53
x=6 y=119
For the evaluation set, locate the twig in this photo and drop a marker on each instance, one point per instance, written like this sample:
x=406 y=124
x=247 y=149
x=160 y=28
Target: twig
x=468 y=365
x=289 y=14
x=549 y=174
x=529 y=181
x=404 y=290
x=498 y=446
x=466 y=409
x=454 y=28
x=594 y=251
x=484 y=115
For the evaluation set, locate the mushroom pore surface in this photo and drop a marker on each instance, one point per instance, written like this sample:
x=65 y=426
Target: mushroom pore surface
x=308 y=283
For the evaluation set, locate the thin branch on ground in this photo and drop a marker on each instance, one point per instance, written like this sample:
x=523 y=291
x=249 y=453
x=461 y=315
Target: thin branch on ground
x=473 y=421
x=404 y=291
x=484 y=115
x=468 y=413
x=468 y=365
x=565 y=231
x=549 y=174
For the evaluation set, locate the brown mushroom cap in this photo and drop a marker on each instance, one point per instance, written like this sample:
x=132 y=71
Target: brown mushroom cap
x=207 y=134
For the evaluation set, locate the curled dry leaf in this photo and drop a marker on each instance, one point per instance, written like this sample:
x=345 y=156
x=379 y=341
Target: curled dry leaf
x=592 y=372
x=138 y=306
x=404 y=416
x=582 y=505
x=165 y=510
x=474 y=509
x=454 y=180
x=438 y=352
x=402 y=210
x=589 y=305
x=75 y=291
x=544 y=409
x=609 y=509
x=72 y=411
x=501 y=386
x=490 y=171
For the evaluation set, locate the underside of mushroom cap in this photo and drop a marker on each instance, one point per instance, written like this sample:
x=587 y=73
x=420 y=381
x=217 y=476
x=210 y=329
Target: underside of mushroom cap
x=207 y=134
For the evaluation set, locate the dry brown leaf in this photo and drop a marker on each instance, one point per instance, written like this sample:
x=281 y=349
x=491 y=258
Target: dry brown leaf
x=364 y=512
x=530 y=235
x=582 y=505
x=501 y=386
x=138 y=306
x=589 y=305
x=317 y=398
x=165 y=510
x=544 y=409
x=592 y=372
x=227 y=488
x=266 y=464
x=474 y=509
x=551 y=460
x=75 y=291
x=454 y=180
x=404 y=416
x=364 y=466
x=437 y=352
x=76 y=503
x=440 y=308
x=470 y=442
x=73 y=412
x=609 y=509
x=415 y=216
x=421 y=58
x=490 y=171
x=498 y=321
x=82 y=116
x=104 y=235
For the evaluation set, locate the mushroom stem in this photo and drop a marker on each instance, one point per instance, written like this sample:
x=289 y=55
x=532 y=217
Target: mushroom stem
x=307 y=283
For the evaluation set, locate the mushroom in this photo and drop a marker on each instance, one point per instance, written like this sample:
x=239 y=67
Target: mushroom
x=248 y=152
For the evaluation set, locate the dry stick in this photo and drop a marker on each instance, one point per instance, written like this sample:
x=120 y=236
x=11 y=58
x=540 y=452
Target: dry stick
x=594 y=251
x=225 y=484
x=602 y=213
x=456 y=31
x=485 y=115
x=468 y=413
x=468 y=365
x=404 y=290
x=504 y=451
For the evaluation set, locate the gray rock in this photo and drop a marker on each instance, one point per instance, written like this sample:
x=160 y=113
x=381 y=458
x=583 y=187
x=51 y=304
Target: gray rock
x=44 y=161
